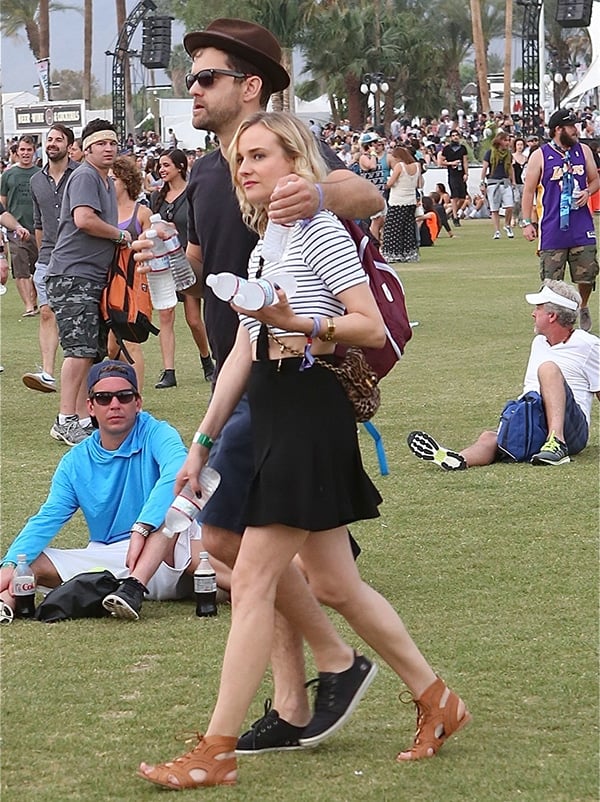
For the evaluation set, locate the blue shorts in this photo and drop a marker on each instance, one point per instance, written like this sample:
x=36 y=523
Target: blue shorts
x=233 y=457
x=576 y=429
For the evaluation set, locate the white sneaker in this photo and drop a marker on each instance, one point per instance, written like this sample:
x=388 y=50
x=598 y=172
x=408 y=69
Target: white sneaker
x=41 y=381
x=496 y=235
x=509 y=232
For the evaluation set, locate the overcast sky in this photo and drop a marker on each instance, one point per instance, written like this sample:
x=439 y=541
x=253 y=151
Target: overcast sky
x=66 y=48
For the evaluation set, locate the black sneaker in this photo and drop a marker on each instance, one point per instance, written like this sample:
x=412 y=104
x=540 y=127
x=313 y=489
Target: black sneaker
x=336 y=698
x=126 y=602
x=167 y=379
x=425 y=447
x=208 y=368
x=270 y=733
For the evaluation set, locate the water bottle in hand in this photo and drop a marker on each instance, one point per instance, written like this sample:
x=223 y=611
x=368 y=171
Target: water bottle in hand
x=160 y=277
x=186 y=507
x=183 y=274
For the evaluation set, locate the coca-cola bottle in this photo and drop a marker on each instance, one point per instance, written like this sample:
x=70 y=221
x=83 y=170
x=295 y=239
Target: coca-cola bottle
x=205 y=587
x=24 y=585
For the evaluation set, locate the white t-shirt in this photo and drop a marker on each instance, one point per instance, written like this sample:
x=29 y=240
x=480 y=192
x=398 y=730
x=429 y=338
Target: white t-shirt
x=579 y=363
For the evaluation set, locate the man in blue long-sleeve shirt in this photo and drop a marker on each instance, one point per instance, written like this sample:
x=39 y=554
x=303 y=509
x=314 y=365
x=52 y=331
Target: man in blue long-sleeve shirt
x=121 y=478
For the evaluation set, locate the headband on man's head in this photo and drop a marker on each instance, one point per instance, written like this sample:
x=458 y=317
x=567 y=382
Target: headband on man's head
x=99 y=136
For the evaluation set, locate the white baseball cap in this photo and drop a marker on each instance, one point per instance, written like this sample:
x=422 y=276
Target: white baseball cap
x=548 y=296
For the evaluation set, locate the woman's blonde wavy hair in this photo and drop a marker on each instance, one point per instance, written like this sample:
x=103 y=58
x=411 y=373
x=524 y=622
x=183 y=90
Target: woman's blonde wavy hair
x=299 y=145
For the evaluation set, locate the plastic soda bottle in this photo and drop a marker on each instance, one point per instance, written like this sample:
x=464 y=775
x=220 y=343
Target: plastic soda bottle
x=183 y=274
x=160 y=277
x=251 y=294
x=24 y=586
x=205 y=587
x=186 y=507
x=275 y=241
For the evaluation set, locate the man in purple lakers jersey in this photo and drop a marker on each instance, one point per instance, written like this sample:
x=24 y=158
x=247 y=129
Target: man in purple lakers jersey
x=564 y=175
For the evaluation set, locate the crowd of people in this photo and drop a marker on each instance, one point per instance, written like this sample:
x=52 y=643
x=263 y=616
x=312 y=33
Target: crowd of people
x=277 y=526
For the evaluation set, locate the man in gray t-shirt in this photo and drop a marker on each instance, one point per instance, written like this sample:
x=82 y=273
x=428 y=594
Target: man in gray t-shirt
x=78 y=271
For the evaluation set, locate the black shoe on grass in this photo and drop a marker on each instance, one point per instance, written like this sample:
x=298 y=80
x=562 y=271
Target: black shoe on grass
x=269 y=733
x=126 y=602
x=337 y=696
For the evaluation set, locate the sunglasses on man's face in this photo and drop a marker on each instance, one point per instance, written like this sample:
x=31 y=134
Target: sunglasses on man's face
x=206 y=78
x=104 y=398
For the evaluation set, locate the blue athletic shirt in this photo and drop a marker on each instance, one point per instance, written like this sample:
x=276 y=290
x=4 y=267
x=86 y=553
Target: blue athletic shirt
x=113 y=489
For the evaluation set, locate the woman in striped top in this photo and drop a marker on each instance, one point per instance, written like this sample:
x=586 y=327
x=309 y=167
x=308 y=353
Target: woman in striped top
x=309 y=482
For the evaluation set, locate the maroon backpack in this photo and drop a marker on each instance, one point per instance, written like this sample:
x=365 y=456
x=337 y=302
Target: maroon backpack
x=389 y=296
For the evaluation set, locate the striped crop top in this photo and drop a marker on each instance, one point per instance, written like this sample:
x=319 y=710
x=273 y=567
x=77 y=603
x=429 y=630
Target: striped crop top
x=323 y=259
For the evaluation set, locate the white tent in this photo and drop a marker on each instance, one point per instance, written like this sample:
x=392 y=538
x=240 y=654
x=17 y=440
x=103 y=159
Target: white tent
x=591 y=78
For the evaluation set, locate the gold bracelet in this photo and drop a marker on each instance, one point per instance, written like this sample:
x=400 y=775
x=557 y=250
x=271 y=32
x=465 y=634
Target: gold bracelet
x=329 y=334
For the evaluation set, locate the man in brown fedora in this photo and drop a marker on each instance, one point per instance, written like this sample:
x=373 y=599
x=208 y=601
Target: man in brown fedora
x=236 y=67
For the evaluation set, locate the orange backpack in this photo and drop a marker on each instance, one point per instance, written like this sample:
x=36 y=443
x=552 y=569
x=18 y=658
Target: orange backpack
x=125 y=306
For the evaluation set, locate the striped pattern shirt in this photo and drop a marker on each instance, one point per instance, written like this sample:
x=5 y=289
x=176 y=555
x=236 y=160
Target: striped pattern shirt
x=324 y=262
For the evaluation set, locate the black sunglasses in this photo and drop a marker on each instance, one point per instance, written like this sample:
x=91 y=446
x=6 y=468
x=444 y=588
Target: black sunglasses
x=122 y=396
x=206 y=78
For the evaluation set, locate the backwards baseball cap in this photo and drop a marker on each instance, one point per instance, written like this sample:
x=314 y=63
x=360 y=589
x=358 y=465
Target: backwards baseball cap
x=548 y=296
x=111 y=368
x=246 y=40
x=562 y=117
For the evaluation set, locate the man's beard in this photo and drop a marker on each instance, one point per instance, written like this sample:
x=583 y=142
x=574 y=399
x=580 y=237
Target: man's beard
x=567 y=141
x=56 y=156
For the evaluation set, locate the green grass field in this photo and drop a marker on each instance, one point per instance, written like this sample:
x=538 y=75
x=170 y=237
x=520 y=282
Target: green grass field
x=495 y=572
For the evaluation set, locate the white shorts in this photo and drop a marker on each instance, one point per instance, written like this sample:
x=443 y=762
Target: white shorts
x=500 y=196
x=164 y=585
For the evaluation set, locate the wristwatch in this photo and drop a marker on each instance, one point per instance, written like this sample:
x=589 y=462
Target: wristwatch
x=141 y=529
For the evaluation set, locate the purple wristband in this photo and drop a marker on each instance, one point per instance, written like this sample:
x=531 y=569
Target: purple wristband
x=316 y=326
x=321 y=206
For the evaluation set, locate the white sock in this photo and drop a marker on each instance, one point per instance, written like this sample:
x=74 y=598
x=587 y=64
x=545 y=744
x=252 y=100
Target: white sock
x=64 y=418
x=83 y=422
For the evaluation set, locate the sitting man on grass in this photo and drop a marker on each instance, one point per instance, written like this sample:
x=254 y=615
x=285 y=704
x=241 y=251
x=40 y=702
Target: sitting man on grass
x=563 y=367
x=122 y=479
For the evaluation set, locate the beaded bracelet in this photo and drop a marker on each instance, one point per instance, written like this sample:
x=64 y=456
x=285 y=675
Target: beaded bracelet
x=203 y=440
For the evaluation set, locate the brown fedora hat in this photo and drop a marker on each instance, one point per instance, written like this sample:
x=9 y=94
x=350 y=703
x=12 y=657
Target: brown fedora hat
x=246 y=40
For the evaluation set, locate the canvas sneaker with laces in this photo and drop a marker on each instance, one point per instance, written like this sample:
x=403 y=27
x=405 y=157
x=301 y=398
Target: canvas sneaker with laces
x=41 y=381
x=269 y=733
x=336 y=697
x=126 y=602
x=70 y=432
x=553 y=452
x=509 y=232
x=426 y=448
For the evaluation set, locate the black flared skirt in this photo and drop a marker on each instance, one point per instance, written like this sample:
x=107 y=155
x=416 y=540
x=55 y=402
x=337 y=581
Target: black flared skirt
x=308 y=469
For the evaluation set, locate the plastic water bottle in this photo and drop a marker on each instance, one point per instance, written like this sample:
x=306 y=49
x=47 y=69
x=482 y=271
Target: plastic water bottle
x=24 y=585
x=160 y=277
x=577 y=193
x=186 y=507
x=183 y=274
x=205 y=587
x=251 y=294
x=275 y=241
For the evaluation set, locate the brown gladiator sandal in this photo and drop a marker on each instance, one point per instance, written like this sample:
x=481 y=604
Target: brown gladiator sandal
x=437 y=719
x=211 y=762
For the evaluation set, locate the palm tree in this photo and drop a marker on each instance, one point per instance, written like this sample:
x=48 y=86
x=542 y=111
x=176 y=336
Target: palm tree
x=32 y=15
x=87 y=51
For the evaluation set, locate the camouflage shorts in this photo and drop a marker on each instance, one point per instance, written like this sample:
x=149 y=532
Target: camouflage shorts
x=76 y=303
x=583 y=264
